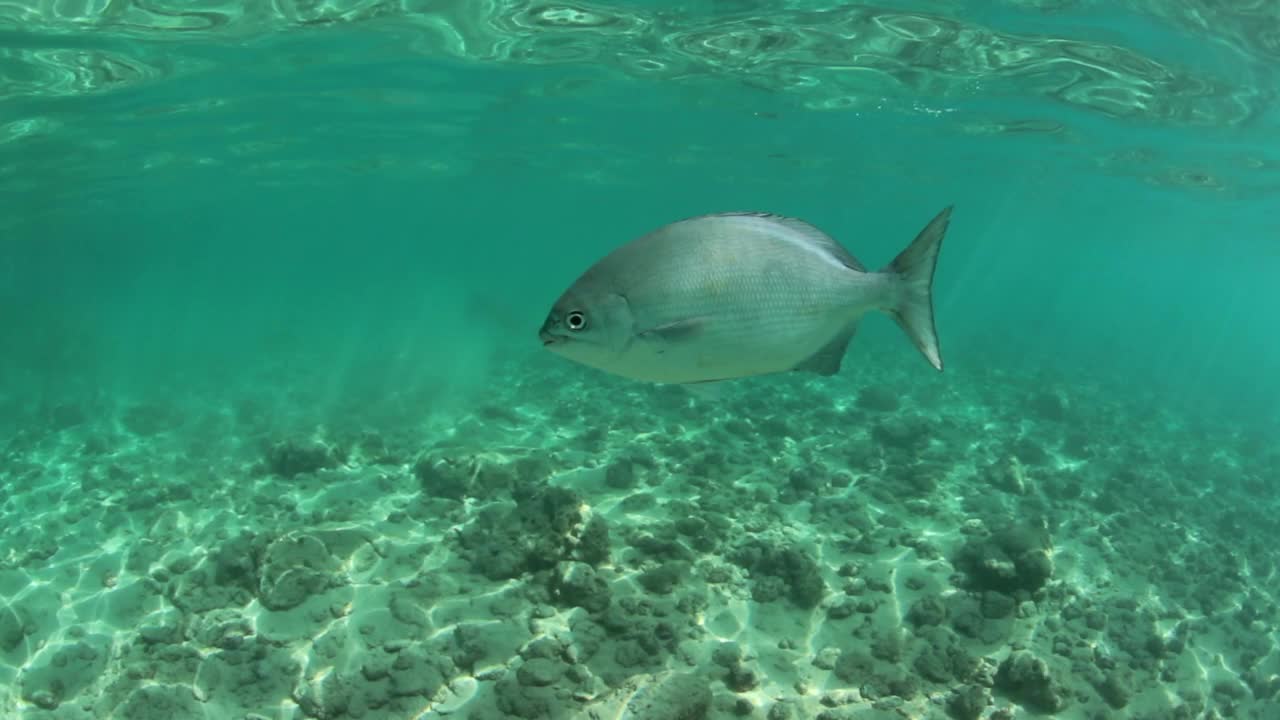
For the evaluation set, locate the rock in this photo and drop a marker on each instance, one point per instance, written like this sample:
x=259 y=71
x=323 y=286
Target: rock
x=294 y=568
x=927 y=611
x=671 y=696
x=784 y=710
x=539 y=672
x=1048 y=405
x=777 y=572
x=906 y=434
x=826 y=658
x=1026 y=679
x=162 y=702
x=1115 y=689
x=220 y=628
x=66 y=415
x=1015 y=560
x=854 y=668
x=997 y=605
x=877 y=398
x=742 y=678
x=290 y=458
x=62 y=674
x=933 y=665
x=444 y=476
x=578 y=584
x=542 y=647
x=417 y=672
x=160 y=634
x=664 y=578
x=727 y=654
x=548 y=525
x=593 y=541
x=807 y=480
x=621 y=474
x=968 y=701
x=10 y=629
x=841 y=610
x=147 y=419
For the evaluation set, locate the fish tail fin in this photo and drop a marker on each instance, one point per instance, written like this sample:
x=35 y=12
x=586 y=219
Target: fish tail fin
x=913 y=304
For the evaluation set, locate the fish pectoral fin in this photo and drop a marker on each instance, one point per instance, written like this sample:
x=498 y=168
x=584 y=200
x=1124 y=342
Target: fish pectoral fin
x=677 y=331
x=827 y=360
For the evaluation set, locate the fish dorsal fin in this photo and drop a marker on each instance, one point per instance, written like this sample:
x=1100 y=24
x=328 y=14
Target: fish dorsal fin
x=810 y=233
x=827 y=360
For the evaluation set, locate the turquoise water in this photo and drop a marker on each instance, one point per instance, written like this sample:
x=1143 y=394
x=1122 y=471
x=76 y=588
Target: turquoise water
x=278 y=268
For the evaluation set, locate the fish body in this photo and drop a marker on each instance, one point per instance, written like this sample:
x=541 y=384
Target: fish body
x=731 y=295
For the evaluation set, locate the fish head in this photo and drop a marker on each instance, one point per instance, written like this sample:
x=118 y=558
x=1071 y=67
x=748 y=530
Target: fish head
x=589 y=326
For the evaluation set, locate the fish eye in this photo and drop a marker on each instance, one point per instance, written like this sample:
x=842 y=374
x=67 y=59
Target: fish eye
x=575 y=320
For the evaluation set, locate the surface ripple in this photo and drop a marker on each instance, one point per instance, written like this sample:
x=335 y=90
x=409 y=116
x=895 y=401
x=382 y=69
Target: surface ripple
x=843 y=56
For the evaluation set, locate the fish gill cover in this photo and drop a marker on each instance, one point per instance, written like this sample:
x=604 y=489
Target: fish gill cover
x=279 y=439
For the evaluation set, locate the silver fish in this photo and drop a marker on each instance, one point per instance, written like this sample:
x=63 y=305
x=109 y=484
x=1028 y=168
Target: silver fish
x=732 y=295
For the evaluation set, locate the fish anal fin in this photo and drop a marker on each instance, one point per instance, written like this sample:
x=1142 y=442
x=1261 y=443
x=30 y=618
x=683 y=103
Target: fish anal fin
x=827 y=360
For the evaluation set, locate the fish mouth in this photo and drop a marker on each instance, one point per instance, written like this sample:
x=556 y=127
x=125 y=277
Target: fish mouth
x=549 y=339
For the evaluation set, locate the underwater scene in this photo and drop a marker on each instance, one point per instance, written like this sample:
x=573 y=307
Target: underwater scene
x=639 y=360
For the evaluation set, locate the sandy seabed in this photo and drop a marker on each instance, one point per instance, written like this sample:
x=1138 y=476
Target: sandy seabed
x=888 y=543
